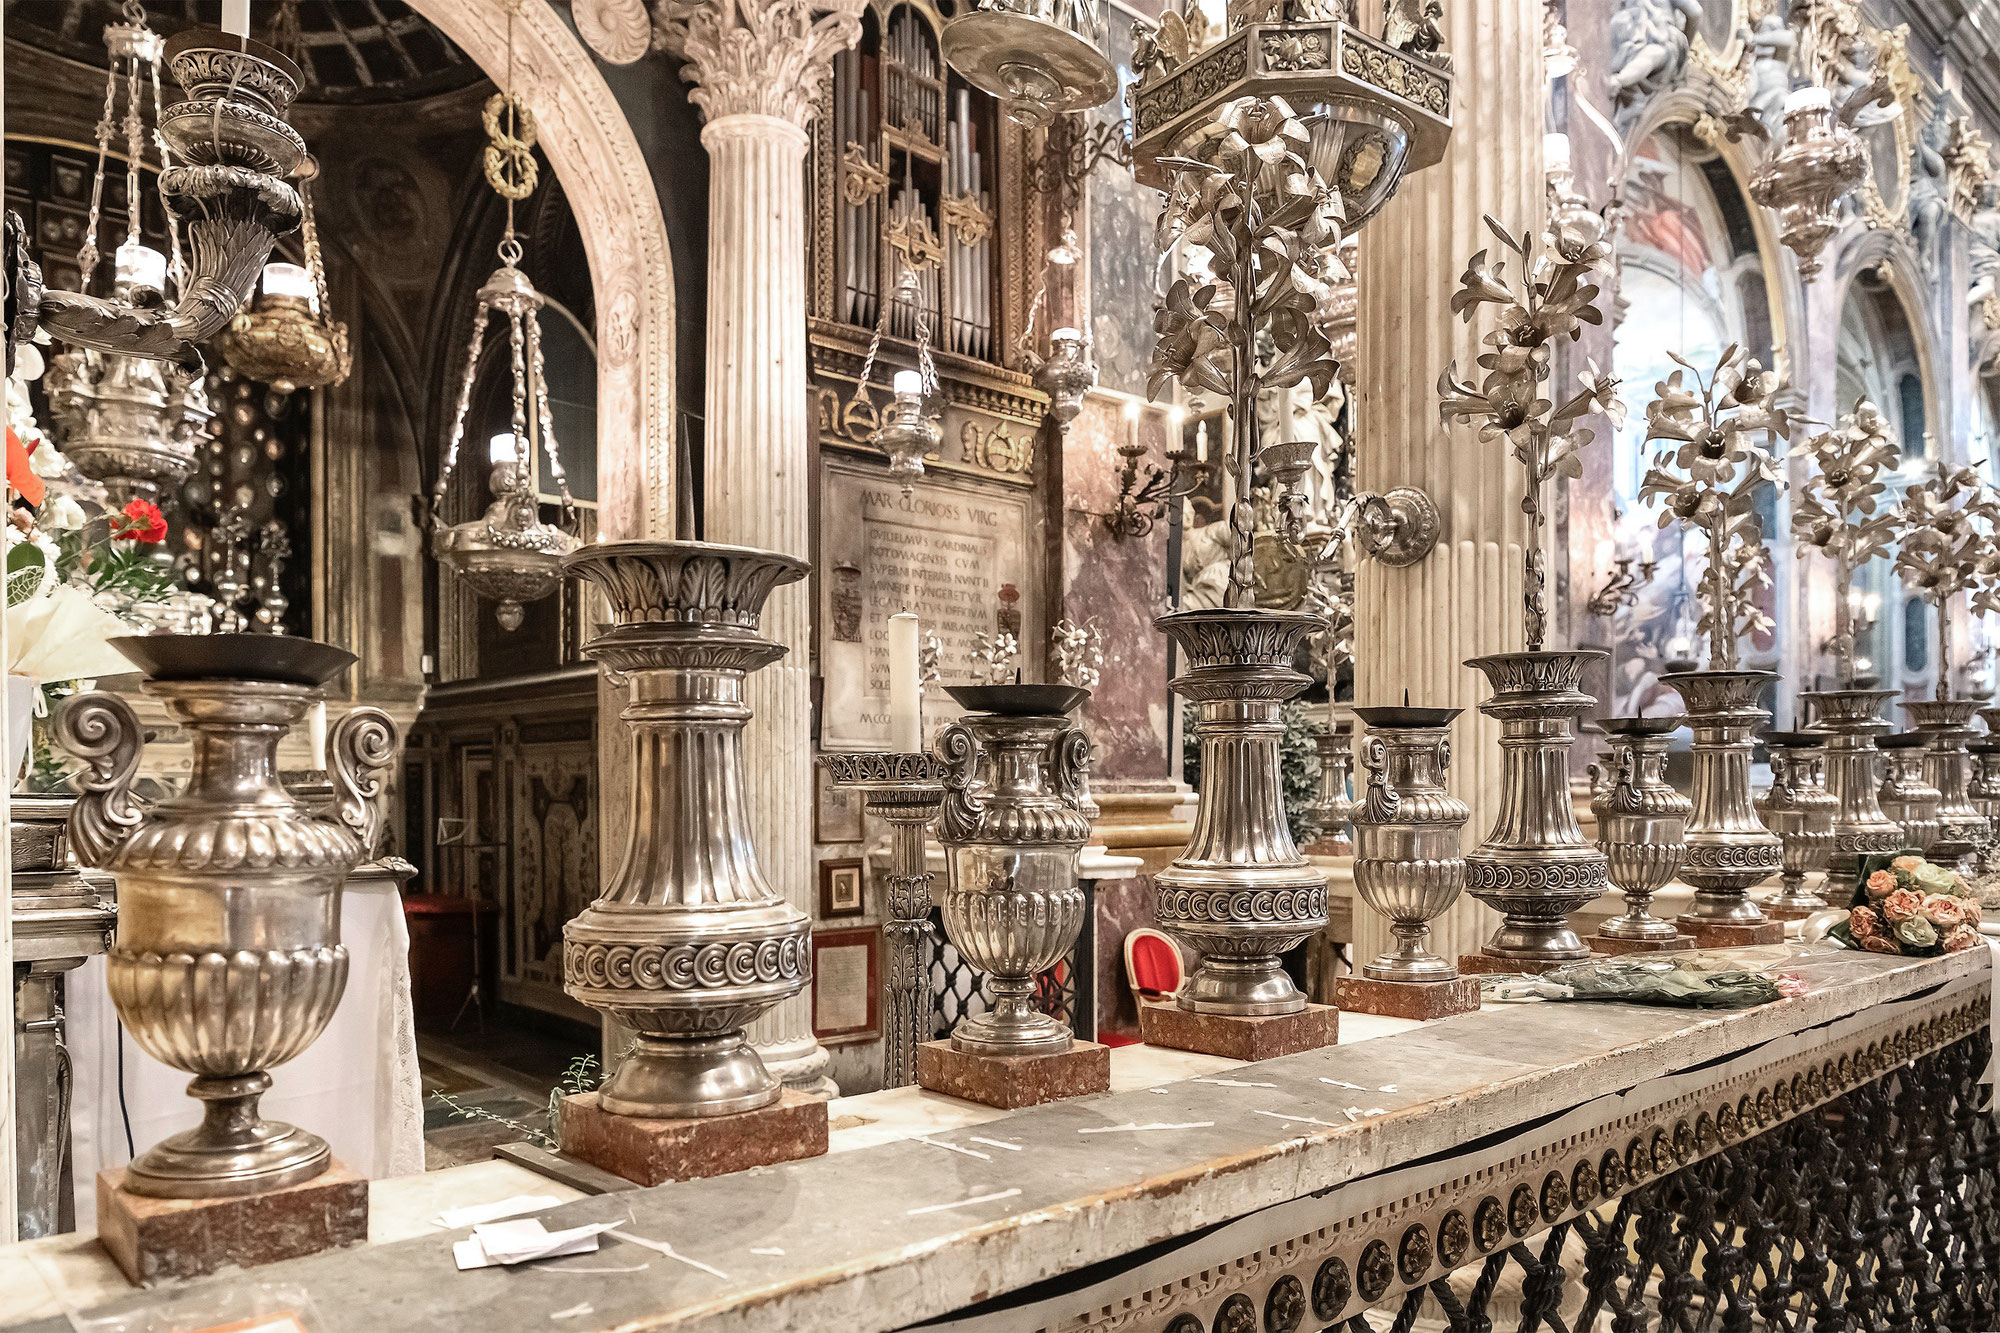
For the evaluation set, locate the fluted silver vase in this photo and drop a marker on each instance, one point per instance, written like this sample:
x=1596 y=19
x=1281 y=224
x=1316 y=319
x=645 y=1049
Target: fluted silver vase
x=1240 y=894
x=1984 y=789
x=1800 y=810
x=1641 y=823
x=1946 y=726
x=1011 y=825
x=1729 y=849
x=1907 y=800
x=228 y=960
x=1535 y=867
x=688 y=942
x=1332 y=809
x=1408 y=862
x=1851 y=721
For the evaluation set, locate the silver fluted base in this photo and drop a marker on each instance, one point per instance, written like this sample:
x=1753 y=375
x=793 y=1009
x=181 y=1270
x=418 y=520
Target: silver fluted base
x=1641 y=823
x=1729 y=851
x=1535 y=867
x=1851 y=720
x=1407 y=864
x=672 y=1078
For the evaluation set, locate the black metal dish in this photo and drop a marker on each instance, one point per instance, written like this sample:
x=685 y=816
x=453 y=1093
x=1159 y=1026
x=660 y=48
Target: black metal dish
x=1642 y=726
x=273 y=657
x=1018 y=700
x=1404 y=715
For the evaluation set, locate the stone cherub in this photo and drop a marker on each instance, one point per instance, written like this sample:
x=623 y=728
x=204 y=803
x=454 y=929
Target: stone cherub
x=1770 y=45
x=1930 y=184
x=1983 y=246
x=1412 y=25
x=1649 y=45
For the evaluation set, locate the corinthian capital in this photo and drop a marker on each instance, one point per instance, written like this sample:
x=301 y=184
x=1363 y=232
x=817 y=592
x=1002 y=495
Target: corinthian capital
x=757 y=57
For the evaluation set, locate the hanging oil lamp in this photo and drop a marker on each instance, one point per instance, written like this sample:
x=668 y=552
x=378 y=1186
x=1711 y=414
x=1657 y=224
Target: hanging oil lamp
x=1805 y=181
x=287 y=338
x=508 y=554
x=1039 y=57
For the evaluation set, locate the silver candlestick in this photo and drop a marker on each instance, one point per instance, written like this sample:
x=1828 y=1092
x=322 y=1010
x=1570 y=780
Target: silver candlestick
x=689 y=942
x=906 y=790
x=1407 y=861
x=1851 y=720
x=1906 y=799
x=1946 y=725
x=1984 y=790
x=1801 y=812
x=1240 y=894
x=1535 y=866
x=1011 y=826
x=1641 y=825
x=1729 y=850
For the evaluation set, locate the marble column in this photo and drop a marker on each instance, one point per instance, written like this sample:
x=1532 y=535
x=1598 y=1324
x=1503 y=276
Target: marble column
x=758 y=67
x=1414 y=627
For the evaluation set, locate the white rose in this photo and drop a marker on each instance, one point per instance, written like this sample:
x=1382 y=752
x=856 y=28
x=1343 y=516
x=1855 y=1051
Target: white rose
x=64 y=514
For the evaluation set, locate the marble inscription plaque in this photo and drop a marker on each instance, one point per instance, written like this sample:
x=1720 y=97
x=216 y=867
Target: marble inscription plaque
x=956 y=555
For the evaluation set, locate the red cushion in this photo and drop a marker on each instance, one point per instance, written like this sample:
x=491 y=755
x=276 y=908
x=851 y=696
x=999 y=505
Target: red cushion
x=1156 y=965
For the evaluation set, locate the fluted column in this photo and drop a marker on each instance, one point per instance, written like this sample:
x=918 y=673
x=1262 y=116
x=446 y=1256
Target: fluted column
x=758 y=67
x=1414 y=627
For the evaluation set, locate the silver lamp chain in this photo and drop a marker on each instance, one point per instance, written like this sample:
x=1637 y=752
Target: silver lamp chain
x=905 y=294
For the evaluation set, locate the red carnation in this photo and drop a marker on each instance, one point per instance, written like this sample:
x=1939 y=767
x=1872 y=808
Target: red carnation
x=143 y=522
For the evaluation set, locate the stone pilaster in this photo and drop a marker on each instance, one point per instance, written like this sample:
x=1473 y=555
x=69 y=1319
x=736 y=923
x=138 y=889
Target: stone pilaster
x=1414 y=627
x=758 y=67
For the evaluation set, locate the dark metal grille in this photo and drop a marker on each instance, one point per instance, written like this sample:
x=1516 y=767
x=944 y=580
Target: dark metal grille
x=1877 y=1211
x=960 y=989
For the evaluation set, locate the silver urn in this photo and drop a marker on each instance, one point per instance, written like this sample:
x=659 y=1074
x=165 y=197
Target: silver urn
x=1906 y=799
x=1729 y=849
x=1641 y=823
x=1535 y=867
x=1851 y=721
x=1984 y=789
x=688 y=942
x=228 y=959
x=1946 y=726
x=1800 y=810
x=1408 y=861
x=1240 y=894
x=1011 y=826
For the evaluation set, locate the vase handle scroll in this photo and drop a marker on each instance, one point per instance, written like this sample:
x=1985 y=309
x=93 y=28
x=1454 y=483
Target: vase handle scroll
x=1383 y=800
x=102 y=730
x=361 y=748
x=959 y=751
x=1070 y=766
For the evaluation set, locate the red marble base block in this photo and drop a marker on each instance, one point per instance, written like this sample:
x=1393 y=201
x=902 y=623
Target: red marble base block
x=1421 y=1000
x=1013 y=1081
x=1716 y=936
x=1780 y=912
x=1165 y=1023
x=652 y=1152
x=1487 y=965
x=160 y=1240
x=1611 y=944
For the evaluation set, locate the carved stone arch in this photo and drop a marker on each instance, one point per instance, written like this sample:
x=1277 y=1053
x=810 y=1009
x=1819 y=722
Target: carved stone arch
x=589 y=142
x=1861 y=249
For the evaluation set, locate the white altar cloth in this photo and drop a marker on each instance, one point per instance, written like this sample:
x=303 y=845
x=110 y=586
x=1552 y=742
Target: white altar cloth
x=357 y=1086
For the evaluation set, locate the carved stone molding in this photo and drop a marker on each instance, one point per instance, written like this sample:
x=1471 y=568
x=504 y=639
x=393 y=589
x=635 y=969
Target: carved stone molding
x=590 y=144
x=757 y=57
x=620 y=31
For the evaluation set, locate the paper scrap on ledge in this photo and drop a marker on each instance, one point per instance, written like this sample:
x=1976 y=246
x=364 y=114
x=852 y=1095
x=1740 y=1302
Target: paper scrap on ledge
x=1343 y=1083
x=766 y=1249
x=576 y=1311
x=1130 y=1127
x=1234 y=1083
x=953 y=1147
x=522 y=1240
x=996 y=1143
x=961 y=1203
x=661 y=1247
x=451 y=1219
x=1302 y=1119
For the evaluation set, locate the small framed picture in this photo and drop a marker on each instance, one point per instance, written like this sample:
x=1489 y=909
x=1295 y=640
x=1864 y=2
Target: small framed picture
x=841 y=888
x=847 y=984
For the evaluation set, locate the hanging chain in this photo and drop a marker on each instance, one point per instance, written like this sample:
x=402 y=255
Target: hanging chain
x=905 y=294
x=314 y=264
x=86 y=254
x=176 y=266
x=135 y=144
x=547 y=423
x=459 y=414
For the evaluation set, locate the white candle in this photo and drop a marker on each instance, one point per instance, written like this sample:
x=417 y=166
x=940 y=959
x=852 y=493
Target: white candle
x=236 y=17
x=908 y=384
x=1132 y=409
x=906 y=718
x=1809 y=97
x=1555 y=152
x=316 y=729
x=141 y=266
x=503 y=448
x=281 y=279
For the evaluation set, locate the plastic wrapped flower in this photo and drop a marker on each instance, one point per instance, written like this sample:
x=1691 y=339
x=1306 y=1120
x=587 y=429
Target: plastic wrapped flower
x=1880 y=944
x=1960 y=938
x=1917 y=933
x=1908 y=864
x=1944 y=911
x=1881 y=884
x=1863 y=922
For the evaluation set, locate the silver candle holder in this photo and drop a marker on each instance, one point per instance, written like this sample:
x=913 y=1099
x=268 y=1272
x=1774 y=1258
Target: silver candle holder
x=907 y=791
x=1984 y=790
x=1946 y=726
x=689 y=942
x=1011 y=826
x=1800 y=810
x=1729 y=849
x=1535 y=866
x=1851 y=721
x=1906 y=799
x=1641 y=827
x=1240 y=894
x=1407 y=859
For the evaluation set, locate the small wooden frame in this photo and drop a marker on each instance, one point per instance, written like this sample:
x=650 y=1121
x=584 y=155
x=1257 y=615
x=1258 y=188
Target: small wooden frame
x=844 y=960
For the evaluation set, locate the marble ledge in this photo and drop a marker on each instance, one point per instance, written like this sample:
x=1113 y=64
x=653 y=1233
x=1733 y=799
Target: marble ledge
x=890 y=1235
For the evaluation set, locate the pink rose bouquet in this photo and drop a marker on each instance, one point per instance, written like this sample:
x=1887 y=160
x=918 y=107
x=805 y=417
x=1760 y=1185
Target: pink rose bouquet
x=1910 y=907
